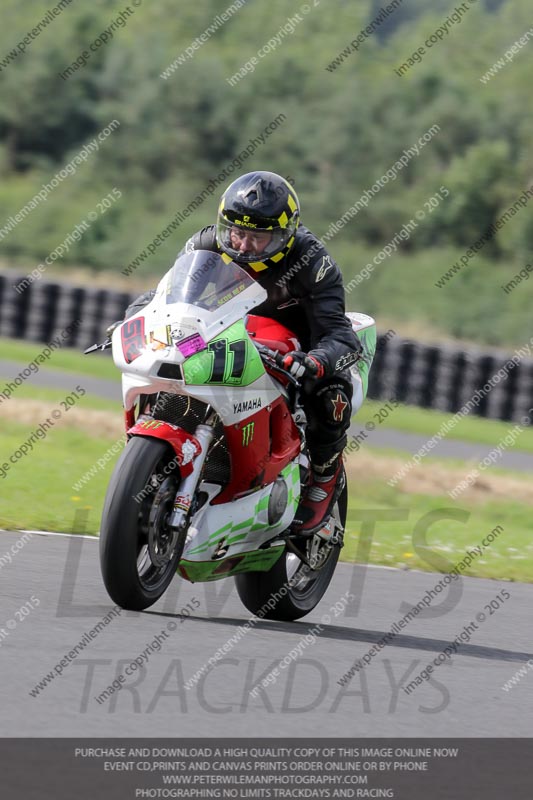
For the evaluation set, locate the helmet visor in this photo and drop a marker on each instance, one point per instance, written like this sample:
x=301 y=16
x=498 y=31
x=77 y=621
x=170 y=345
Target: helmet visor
x=251 y=244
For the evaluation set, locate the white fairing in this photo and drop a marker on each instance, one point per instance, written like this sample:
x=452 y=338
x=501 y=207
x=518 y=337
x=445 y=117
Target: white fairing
x=168 y=325
x=365 y=327
x=213 y=525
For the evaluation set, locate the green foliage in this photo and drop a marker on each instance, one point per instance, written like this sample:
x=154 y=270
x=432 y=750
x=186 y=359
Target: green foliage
x=344 y=129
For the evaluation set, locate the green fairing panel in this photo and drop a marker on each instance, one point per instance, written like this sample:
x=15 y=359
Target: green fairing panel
x=255 y=519
x=216 y=537
x=238 y=362
x=367 y=337
x=253 y=561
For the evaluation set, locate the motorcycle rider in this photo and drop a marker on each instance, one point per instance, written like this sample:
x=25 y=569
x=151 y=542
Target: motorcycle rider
x=258 y=226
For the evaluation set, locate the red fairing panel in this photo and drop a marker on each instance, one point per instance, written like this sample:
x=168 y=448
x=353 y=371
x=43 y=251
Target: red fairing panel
x=260 y=447
x=185 y=446
x=272 y=334
x=129 y=418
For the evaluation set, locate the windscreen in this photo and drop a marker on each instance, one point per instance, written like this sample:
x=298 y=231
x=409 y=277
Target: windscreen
x=203 y=279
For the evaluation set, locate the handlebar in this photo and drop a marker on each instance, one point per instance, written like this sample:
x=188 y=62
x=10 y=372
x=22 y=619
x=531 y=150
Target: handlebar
x=275 y=359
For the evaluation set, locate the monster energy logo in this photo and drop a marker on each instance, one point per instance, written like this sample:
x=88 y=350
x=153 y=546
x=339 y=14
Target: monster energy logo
x=151 y=423
x=247 y=434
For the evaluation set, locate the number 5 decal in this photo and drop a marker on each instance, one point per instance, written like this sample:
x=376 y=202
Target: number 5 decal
x=132 y=335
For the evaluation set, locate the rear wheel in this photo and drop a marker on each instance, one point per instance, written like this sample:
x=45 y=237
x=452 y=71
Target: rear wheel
x=138 y=551
x=290 y=589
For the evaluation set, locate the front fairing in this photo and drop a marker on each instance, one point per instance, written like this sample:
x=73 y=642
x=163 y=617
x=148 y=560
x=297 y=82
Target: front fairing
x=191 y=337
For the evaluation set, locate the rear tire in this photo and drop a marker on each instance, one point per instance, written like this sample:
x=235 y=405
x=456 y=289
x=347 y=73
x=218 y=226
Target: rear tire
x=136 y=558
x=301 y=588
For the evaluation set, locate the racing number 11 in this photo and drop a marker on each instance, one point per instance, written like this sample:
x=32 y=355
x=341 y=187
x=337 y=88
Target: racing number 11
x=219 y=349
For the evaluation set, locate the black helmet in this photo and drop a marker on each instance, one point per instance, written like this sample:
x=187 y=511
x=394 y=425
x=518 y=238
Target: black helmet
x=259 y=202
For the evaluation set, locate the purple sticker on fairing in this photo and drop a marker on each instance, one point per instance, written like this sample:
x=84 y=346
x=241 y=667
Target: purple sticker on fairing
x=191 y=345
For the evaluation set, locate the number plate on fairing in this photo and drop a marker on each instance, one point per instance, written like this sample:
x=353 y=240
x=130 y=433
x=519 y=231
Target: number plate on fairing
x=229 y=359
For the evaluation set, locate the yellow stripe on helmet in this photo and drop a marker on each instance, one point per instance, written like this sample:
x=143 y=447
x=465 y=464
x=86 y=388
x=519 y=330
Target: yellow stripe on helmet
x=257 y=266
x=293 y=205
x=282 y=220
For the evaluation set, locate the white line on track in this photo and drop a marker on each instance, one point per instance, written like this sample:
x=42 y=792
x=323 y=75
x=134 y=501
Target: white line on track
x=50 y=533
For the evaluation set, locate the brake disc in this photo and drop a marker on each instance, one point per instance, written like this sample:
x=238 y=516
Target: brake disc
x=160 y=536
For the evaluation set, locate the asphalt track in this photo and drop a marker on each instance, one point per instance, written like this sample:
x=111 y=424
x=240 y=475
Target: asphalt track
x=57 y=578
x=385 y=438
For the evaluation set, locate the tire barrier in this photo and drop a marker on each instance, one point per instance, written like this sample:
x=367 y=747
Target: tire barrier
x=443 y=377
x=447 y=377
x=43 y=310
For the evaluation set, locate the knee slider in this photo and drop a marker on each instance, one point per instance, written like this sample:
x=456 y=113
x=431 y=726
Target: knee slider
x=334 y=406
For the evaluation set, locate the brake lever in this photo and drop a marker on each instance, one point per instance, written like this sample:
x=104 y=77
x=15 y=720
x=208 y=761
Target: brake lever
x=95 y=347
x=276 y=362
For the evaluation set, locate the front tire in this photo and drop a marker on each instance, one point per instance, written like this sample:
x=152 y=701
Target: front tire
x=301 y=589
x=137 y=557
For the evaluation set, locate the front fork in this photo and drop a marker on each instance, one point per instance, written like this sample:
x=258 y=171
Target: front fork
x=204 y=433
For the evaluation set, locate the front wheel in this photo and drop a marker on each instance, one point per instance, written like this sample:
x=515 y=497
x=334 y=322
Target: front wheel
x=138 y=552
x=290 y=589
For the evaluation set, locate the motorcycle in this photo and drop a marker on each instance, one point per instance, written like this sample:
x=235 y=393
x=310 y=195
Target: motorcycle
x=209 y=481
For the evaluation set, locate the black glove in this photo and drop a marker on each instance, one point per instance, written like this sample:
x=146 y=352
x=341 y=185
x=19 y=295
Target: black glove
x=302 y=365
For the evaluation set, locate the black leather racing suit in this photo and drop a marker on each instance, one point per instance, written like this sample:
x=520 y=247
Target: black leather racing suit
x=306 y=294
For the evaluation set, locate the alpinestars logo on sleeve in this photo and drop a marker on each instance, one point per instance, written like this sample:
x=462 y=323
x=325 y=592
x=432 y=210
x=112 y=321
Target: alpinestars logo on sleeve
x=325 y=265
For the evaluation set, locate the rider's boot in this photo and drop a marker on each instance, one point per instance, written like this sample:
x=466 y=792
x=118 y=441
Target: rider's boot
x=323 y=487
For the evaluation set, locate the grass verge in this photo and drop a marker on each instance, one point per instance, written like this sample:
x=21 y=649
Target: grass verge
x=416 y=525
x=67 y=359
x=426 y=422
